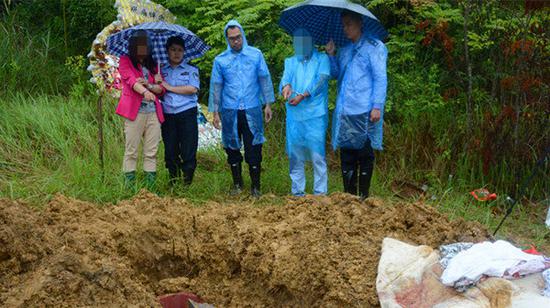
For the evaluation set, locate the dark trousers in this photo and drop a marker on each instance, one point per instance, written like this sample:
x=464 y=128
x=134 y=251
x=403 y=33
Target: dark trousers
x=357 y=163
x=252 y=153
x=180 y=134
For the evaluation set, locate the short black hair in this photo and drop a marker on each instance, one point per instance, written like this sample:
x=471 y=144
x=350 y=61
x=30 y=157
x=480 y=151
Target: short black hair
x=231 y=27
x=352 y=15
x=175 y=40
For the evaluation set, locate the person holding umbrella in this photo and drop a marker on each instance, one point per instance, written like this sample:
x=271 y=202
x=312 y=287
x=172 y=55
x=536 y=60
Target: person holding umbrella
x=360 y=68
x=142 y=48
x=180 y=129
x=305 y=85
x=140 y=106
x=240 y=85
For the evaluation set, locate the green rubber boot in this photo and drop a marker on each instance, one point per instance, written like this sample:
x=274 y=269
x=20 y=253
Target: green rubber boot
x=150 y=181
x=130 y=180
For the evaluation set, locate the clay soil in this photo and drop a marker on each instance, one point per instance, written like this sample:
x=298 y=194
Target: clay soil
x=313 y=251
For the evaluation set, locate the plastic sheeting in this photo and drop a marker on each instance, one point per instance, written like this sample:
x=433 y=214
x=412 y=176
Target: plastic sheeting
x=408 y=276
x=498 y=259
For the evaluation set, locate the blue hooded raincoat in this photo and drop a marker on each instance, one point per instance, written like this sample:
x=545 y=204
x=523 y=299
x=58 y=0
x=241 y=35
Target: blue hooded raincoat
x=362 y=82
x=240 y=81
x=307 y=71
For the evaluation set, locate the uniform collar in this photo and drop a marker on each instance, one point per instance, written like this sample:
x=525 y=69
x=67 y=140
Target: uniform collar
x=181 y=65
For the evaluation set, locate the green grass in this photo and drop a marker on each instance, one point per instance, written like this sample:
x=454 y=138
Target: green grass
x=49 y=145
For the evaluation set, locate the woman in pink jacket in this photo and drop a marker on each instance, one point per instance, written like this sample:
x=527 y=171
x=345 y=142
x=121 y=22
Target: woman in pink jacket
x=140 y=106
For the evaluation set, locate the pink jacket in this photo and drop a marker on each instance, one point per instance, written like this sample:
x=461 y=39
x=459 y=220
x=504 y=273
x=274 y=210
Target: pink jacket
x=130 y=100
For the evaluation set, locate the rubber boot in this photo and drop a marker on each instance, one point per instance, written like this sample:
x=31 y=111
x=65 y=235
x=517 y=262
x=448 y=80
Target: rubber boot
x=365 y=176
x=255 y=174
x=188 y=177
x=130 y=180
x=173 y=177
x=349 y=178
x=150 y=181
x=236 y=173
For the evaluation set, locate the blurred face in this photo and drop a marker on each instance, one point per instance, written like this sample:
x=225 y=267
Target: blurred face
x=303 y=46
x=175 y=54
x=235 y=38
x=141 y=49
x=352 y=28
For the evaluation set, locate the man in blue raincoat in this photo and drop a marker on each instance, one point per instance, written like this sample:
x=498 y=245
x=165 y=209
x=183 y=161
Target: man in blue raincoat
x=305 y=85
x=240 y=86
x=360 y=68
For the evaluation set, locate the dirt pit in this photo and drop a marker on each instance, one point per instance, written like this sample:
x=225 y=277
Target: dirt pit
x=313 y=251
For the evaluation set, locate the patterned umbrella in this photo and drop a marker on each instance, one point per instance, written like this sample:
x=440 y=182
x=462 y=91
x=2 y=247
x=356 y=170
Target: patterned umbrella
x=158 y=32
x=322 y=19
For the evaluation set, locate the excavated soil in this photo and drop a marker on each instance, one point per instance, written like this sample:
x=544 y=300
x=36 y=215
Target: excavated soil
x=313 y=251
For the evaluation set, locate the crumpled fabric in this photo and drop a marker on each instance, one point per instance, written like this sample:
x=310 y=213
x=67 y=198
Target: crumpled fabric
x=546 y=278
x=498 y=259
x=449 y=251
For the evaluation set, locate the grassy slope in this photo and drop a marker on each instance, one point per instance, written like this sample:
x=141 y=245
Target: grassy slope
x=48 y=145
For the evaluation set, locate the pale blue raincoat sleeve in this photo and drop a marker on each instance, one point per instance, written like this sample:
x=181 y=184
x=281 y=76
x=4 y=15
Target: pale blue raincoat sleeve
x=264 y=77
x=287 y=75
x=216 y=88
x=379 y=76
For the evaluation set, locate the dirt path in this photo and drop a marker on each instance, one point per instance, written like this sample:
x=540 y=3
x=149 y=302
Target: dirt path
x=312 y=251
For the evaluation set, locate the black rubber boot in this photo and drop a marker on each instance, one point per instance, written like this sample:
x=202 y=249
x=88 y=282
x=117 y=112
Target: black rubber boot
x=365 y=176
x=255 y=173
x=173 y=177
x=188 y=177
x=236 y=173
x=349 y=178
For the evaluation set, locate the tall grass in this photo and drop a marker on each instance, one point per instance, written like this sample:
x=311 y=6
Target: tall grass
x=49 y=144
x=29 y=62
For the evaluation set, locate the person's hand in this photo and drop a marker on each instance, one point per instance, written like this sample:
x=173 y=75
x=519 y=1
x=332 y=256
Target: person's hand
x=330 y=48
x=141 y=81
x=296 y=100
x=216 y=120
x=165 y=85
x=375 y=115
x=149 y=96
x=268 y=113
x=287 y=90
x=158 y=79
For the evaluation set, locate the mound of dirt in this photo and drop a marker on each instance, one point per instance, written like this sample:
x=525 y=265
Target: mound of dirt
x=312 y=251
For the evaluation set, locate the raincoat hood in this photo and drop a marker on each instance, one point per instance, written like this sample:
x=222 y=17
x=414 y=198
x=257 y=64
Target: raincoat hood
x=233 y=23
x=303 y=44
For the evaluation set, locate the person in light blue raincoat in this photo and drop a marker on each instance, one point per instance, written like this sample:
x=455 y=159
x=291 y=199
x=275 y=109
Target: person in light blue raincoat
x=305 y=85
x=240 y=86
x=360 y=68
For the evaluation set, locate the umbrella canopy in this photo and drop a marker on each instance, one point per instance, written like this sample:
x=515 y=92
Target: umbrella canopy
x=322 y=19
x=158 y=32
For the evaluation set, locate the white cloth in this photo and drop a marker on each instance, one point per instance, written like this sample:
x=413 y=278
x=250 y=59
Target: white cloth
x=498 y=259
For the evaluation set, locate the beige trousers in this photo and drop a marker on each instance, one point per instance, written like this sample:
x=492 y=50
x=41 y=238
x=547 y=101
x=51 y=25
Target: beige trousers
x=145 y=127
